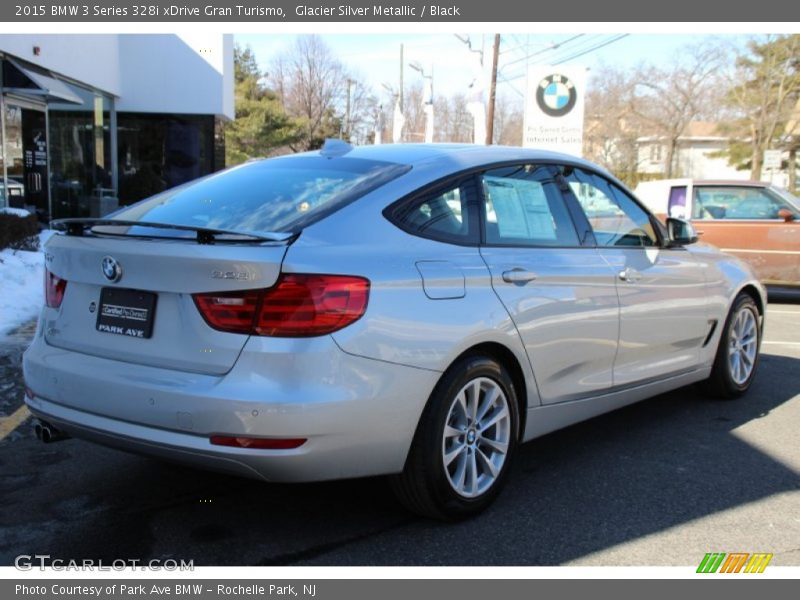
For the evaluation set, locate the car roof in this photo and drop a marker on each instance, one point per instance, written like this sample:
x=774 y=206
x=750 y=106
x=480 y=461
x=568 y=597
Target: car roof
x=473 y=153
x=739 y=182
x=459 y=156
x=697 y=182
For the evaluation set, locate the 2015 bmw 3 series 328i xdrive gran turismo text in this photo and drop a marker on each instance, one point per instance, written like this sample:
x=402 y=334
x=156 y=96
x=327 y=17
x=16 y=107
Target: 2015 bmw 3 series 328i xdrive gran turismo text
x=413 y=310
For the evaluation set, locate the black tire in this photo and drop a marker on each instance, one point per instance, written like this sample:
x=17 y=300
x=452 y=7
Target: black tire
x=424 y=486
x=722 y=383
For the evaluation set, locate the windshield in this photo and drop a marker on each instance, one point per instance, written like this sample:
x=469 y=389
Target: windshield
x=275 y=195
x=788 y=196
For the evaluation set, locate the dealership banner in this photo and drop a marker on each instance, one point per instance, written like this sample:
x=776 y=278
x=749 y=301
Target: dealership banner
x=554 y=102
x=406 y=11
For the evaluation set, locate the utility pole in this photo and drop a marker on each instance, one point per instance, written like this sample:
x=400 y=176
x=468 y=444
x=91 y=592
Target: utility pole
x=492 y=91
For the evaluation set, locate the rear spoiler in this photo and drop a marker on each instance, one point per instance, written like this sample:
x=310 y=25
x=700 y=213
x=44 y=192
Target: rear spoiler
x=204 y=235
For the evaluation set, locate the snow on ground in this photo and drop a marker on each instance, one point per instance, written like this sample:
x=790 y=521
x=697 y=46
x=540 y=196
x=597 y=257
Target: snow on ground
x=21 y=286
x=20 y=212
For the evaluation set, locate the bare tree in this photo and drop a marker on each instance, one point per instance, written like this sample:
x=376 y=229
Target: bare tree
x=613 y=127
x=414 y=130
x=362 y=110
x=508 y=120
x=312 y=84
x=452 y=120
x=668 y=99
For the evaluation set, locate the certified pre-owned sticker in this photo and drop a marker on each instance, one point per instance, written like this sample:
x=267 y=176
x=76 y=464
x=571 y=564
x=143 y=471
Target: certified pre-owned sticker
x=125 y=312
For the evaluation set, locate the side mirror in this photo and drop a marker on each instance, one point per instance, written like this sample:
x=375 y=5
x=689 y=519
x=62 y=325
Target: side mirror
x=786 y=215
x=681 y=233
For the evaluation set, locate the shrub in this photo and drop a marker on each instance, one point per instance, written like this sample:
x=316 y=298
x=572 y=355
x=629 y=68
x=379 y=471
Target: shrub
x=18 y=232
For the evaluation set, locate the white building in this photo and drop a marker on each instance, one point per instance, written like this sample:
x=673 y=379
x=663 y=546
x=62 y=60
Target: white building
x=697 y=156
x=89 y=121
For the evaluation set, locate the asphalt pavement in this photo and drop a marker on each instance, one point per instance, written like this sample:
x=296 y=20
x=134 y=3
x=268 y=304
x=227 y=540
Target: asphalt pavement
x=658 y=483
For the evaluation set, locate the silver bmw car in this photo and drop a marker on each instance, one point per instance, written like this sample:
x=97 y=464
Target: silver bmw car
x=414 y=310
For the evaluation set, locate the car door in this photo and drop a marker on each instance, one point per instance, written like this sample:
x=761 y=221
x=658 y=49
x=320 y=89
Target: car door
x=662 y=291
x=555 y=285
x=744 y=221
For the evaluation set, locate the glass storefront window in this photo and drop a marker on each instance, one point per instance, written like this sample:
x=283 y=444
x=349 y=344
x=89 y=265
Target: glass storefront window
x=159 y=151
x=58 y=151
x=24 y=156
x=11 y=158
x=80 y=160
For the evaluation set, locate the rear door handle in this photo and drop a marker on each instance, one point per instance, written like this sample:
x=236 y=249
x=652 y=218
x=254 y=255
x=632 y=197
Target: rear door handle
x=630 y=275
x=518 y=275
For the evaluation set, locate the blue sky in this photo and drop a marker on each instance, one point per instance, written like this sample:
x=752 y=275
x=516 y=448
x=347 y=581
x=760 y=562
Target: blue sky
x=376 y=58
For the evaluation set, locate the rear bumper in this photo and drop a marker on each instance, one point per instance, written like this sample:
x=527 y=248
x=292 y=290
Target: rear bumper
x=358 y=415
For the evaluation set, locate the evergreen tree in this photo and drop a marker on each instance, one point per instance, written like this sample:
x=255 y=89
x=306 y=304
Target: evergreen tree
x=764 y=100
x=261 y=125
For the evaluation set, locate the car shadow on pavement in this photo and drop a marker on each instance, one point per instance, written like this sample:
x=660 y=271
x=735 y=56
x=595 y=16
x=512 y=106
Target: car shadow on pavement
x=613 y=479
x=783 y=296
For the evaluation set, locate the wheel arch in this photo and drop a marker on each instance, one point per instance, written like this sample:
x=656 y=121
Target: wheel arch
x=752 y=291
x=509 y=360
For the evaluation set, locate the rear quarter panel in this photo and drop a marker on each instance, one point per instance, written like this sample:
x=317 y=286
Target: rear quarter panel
x=402 y=323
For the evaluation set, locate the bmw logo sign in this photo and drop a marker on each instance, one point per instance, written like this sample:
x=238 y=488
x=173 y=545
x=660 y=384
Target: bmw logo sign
x=111 y=269
x=556 y=95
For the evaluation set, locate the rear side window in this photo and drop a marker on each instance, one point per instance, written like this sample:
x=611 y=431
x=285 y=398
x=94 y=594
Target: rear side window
x=524 y=207
x=444 y=214
x=276 y=195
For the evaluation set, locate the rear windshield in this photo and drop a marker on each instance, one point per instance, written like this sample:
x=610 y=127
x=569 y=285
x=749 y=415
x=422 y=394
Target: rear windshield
x=276 y=195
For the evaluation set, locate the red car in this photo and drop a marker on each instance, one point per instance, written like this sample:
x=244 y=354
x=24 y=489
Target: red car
x=752 y=220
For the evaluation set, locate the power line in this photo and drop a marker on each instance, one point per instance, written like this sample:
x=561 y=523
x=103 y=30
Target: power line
x=512 y=86
x=611 y=41
x=552 y=46
x=575 y=53
x=588 y=41
x=520 y=45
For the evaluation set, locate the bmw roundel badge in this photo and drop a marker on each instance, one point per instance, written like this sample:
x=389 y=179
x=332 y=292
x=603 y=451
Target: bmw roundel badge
x=556 y=95
x=111 y=269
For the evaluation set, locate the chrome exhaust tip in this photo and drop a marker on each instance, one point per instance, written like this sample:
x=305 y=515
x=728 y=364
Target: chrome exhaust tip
x=47 y=433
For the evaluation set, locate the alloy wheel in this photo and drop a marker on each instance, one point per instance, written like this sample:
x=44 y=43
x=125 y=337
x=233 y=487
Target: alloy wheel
x=476 y=437
x=742 y=345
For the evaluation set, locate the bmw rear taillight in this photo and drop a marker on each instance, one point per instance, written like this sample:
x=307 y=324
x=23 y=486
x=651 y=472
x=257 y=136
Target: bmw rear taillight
x=229 y=311
x=54 y=288
x=297 y=306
